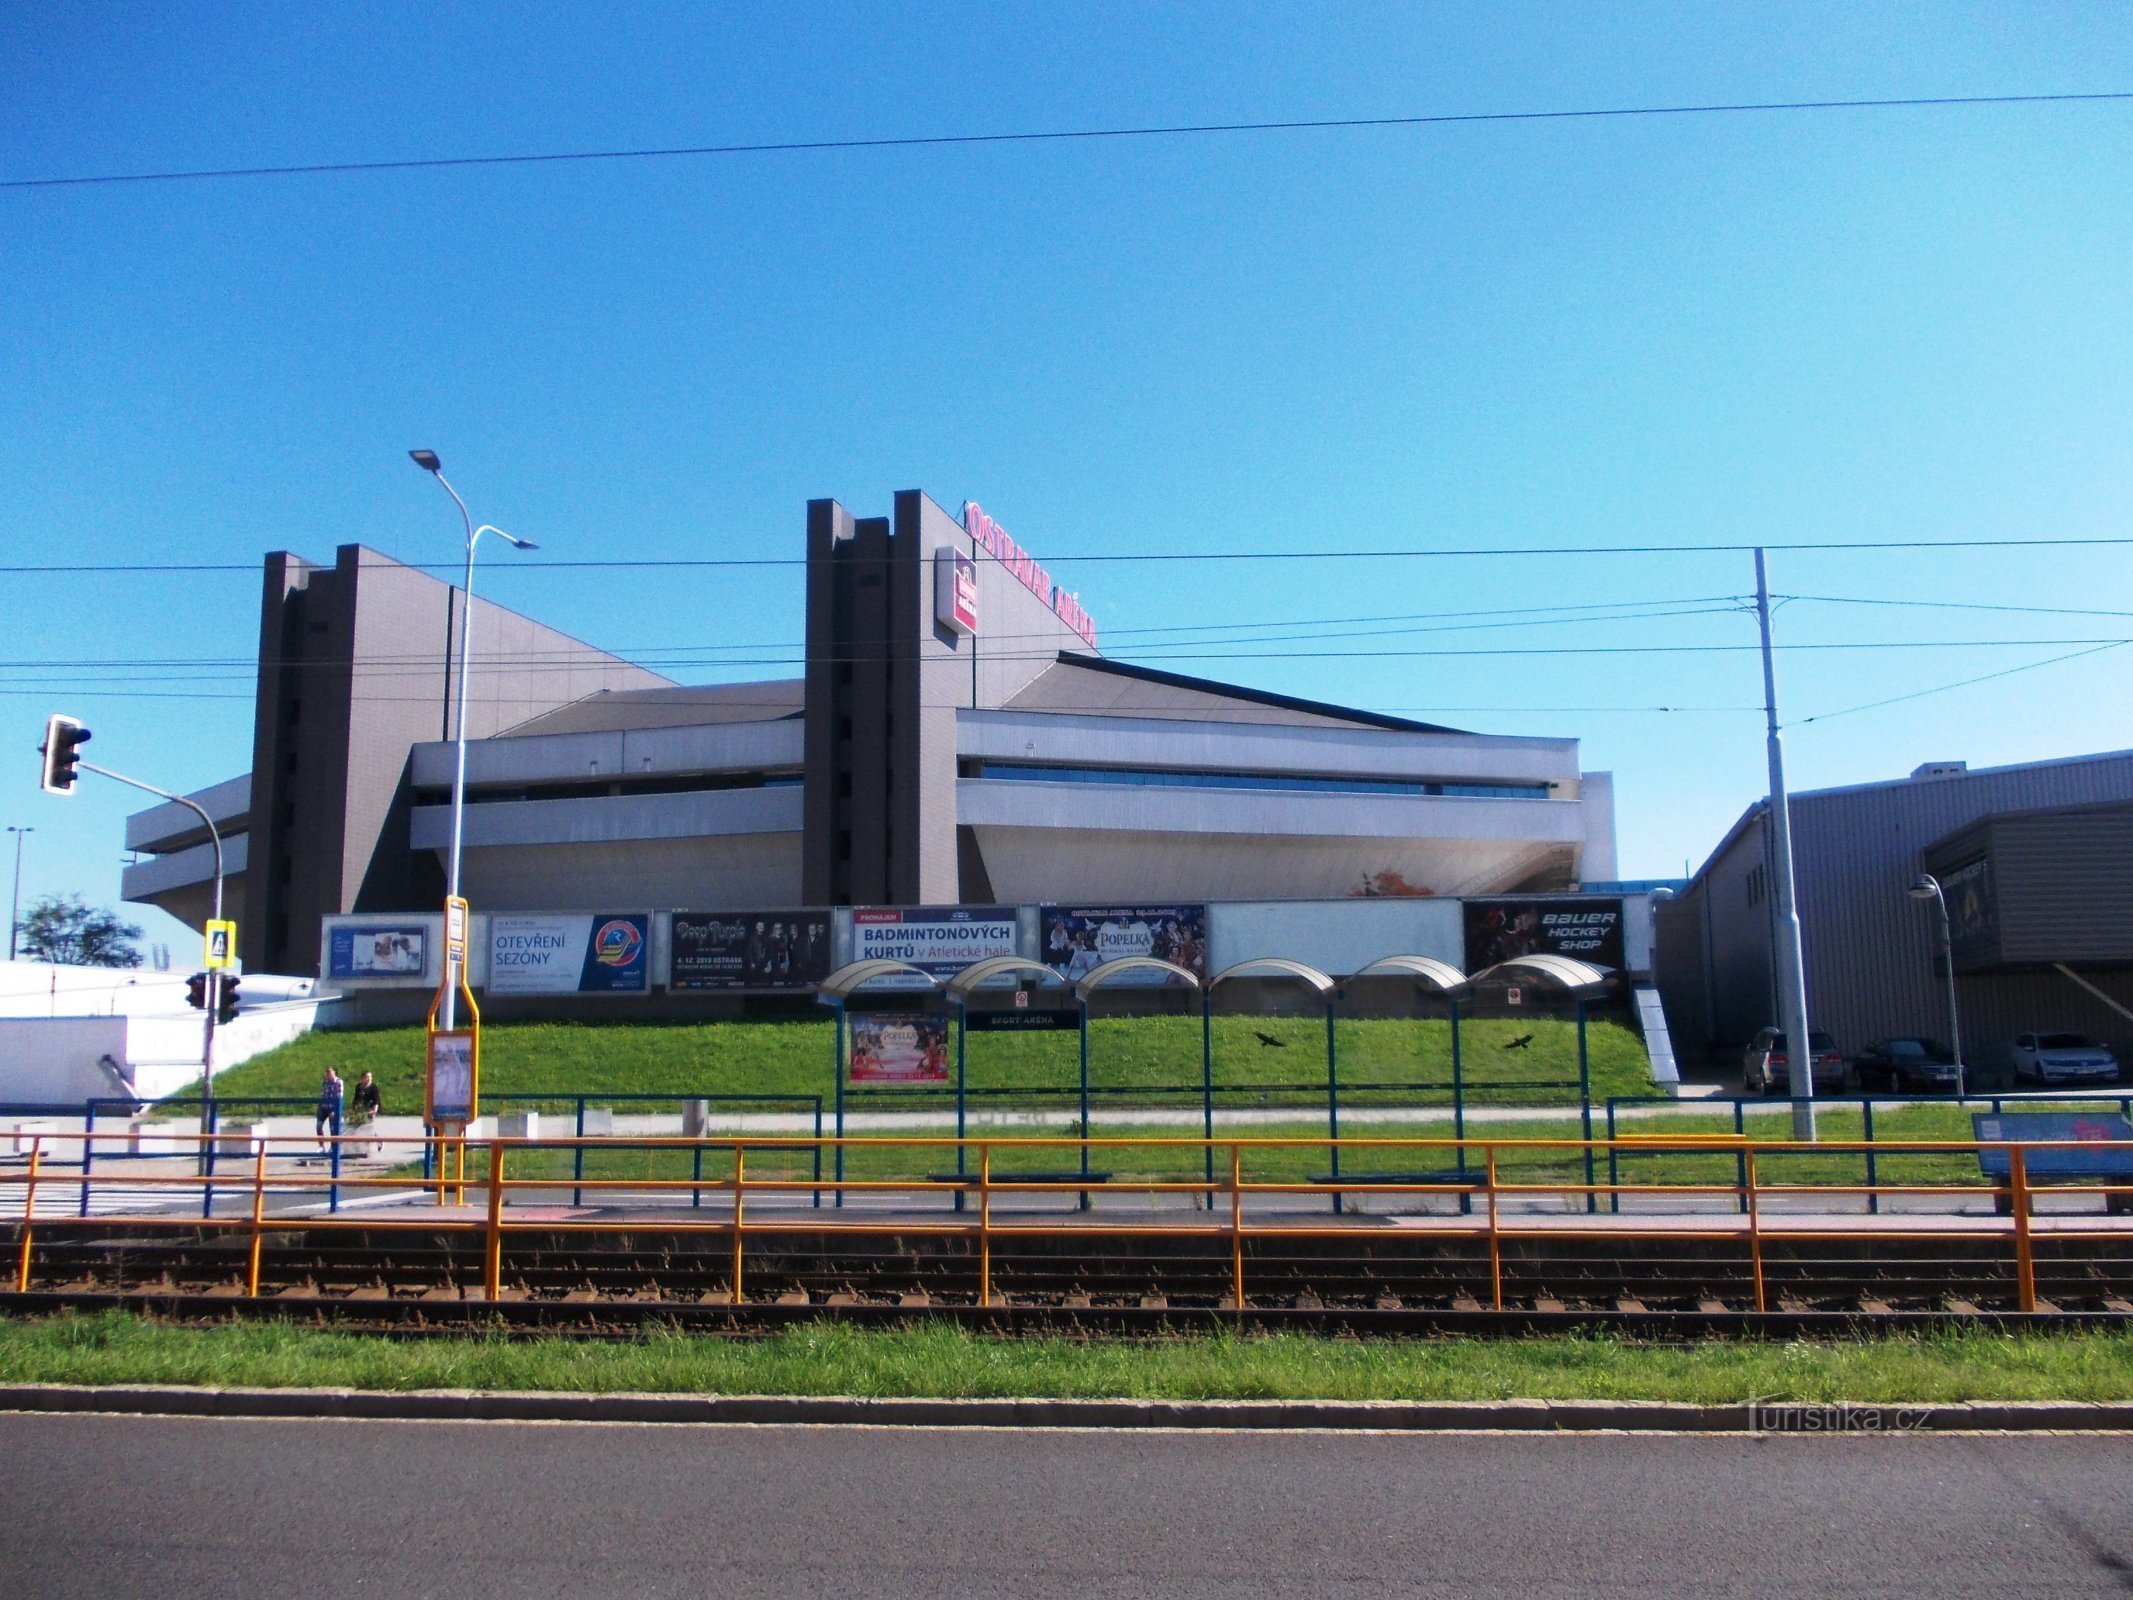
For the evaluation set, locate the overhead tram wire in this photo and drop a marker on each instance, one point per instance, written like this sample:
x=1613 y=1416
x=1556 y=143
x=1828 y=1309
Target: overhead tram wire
x=1449 y=553
x=1065 y=136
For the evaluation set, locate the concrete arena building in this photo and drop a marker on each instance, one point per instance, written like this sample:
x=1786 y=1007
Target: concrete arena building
x=958 y=737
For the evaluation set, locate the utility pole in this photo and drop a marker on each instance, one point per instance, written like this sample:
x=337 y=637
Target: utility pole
x=14 y=911
x=1791 y=967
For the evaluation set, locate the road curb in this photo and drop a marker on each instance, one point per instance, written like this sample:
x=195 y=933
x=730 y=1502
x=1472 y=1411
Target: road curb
x=1494 y=1416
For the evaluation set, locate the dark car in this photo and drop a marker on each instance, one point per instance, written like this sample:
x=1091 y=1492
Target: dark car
x=1906 y=1063
x=1764 y=1069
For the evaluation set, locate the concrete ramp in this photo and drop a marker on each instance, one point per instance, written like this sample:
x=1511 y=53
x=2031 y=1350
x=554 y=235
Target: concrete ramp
x=1658 y=1043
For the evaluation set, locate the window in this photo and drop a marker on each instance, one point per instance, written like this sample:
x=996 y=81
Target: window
x=1299 y=783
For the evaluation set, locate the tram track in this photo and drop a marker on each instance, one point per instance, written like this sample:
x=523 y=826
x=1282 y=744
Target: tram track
x=635 y=1276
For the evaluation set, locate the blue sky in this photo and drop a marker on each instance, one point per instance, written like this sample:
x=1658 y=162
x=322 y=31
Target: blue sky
x=1908 y=325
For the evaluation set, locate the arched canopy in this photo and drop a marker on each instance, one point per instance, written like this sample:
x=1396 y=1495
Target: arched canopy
x=1579 y=979
x=1427 y=971
x=853 y=976
x=980 y=973
x=1096 y=977
x=1276 y=967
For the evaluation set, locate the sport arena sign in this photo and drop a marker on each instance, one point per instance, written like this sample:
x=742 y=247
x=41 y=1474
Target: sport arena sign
x=990 y=537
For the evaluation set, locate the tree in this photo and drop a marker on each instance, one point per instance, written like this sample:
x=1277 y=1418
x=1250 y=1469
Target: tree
x=64 y=928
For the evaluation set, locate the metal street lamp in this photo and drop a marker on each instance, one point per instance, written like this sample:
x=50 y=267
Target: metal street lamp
x=14 y=913
x=428 y=462
x=1928 y=888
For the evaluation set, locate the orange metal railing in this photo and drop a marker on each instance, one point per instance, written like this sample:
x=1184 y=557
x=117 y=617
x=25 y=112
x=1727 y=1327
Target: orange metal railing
x=1750 y=1189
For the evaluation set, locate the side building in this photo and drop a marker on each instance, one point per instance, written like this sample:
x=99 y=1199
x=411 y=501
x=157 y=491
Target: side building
x=958 y=738
x=2033 y=861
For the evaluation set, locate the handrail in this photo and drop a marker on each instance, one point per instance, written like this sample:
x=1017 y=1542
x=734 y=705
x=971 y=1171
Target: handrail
x=1499 y=1183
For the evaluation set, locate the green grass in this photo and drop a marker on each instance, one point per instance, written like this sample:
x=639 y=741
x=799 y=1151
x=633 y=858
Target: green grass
x=829 y=1359
x=1150 y=1054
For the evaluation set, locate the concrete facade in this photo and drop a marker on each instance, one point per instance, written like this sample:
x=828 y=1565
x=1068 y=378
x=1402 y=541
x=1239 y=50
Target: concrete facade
x=918 y=761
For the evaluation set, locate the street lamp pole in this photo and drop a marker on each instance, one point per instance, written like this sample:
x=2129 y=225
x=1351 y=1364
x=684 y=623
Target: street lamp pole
x=1928 y=888
x=428 y=462
x=14 y=910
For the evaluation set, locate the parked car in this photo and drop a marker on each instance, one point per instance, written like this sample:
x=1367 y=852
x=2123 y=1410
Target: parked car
x=2063 y=1058
x=1764 y=1070
x=1906 y=1063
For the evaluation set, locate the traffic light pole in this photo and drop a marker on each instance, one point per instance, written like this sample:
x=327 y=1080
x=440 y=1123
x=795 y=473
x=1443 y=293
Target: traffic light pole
x=214 y=978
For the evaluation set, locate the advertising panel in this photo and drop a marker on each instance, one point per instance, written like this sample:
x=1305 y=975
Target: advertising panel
x=941 y=940
x=955 y=591
x=750 y=949
x=1075 y=939
x=1973 y=915
x=451 y=1078
x=1582 y=929
x=377 y=950
x=570 y=954
x=899 y=1047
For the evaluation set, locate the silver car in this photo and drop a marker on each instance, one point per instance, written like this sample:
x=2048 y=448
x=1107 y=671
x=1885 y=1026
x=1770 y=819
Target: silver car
x=2063 y=1058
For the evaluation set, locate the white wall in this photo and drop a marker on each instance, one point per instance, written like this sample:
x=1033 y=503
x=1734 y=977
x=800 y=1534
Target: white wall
x=1335 y=936
x=41 y=989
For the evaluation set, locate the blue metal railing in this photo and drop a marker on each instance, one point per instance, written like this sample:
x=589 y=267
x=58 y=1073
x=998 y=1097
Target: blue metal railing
x=1864 y=1102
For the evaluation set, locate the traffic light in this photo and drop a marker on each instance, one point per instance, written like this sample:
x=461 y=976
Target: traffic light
x=63 y=739
x=196 y=991
x=226 y=1008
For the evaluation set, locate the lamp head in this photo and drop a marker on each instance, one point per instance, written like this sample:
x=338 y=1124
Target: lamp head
x=1926 y=888
x=523 y=544
x=426 y=460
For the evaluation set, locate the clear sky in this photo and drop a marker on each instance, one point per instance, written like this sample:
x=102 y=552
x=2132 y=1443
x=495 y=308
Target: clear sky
x=1777 y=327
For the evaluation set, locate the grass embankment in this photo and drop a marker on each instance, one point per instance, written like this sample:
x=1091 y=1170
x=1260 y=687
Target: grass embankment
x=827 y=1359
x=1157 y=1056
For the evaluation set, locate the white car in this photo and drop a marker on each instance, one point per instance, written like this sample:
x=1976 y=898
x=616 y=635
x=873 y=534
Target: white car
x=2063 y=1058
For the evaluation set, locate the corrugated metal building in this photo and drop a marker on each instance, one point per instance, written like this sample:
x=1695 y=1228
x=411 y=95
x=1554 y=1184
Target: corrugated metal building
x=1871 y=950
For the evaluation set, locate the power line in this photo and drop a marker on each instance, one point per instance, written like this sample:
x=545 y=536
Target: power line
x=1478 y=552
x=2008 y=672
x=1060 y=136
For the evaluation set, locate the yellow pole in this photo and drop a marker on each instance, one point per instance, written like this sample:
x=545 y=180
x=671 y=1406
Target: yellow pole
x=985 y=1224
x=492 y=1264
x=2025 y=1261
x=740 y=1191
x=1495 y=1238
x=1755 y=1234
x=29 y=1210
x=259 y=1212
x=1236 y=1223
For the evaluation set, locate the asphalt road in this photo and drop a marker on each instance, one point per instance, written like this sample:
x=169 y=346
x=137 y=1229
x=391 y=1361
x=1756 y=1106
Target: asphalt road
x=108 y=1506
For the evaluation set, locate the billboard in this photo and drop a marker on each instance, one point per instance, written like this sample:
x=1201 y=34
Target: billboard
x=1973 y=915
x=570 y=954
x=940 y=940
x=750 y=950
x=899 y=1047
x=377 y=950
x=449 y=1095
x=1076 y=939
x=1582 y=929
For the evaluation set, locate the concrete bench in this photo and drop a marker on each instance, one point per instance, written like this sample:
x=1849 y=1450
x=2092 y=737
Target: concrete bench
x=2105 y=1155
x=1465 y=1181
x=1065 y=1179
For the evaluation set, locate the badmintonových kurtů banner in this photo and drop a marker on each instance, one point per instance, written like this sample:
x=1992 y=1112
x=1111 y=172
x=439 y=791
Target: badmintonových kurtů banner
x=605 y=954
x=939 y=940
x=750 y=949
x=1584 y=930
x=1075 y=940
